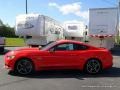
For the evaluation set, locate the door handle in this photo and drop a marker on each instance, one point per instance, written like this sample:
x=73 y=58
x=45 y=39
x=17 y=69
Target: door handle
x=72 y=54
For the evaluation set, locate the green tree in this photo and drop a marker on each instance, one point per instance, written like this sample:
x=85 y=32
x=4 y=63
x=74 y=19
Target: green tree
x=6 y=30
x=1 y=23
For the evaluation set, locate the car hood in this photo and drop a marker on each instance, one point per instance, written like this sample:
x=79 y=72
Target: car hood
x=23 y=51
x=27 y=49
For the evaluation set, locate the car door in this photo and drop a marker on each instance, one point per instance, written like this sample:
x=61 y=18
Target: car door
x=60 y=56
x=82 y=51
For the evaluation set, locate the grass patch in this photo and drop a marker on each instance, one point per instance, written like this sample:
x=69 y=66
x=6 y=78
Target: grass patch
x=15 y=42
x=118 y=40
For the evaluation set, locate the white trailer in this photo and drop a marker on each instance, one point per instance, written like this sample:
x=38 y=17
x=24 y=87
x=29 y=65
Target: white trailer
x=38 y=29
x=75 y=31
x=103 y=27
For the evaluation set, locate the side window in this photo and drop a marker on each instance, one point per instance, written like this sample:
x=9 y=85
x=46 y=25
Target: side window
x=80 y=47
x=63 y=47
x=71 y=47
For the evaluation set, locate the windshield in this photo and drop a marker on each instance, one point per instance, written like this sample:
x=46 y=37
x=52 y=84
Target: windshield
x=49 y=45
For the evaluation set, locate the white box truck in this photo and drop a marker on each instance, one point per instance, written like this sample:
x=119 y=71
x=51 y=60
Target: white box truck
x=103 y=27
x=38 y=29
x=75 y=31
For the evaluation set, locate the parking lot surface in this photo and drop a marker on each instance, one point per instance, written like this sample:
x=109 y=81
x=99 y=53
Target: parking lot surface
x=61 y=80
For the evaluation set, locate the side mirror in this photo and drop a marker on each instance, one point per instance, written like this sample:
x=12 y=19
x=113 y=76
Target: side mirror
x=40 y=47
x=52 y=50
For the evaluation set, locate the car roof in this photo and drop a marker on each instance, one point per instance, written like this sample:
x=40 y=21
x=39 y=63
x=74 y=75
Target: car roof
x=68 y=41
x=74 y=41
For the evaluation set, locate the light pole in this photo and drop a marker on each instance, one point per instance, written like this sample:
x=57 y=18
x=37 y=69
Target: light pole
x=118 y=28
x=26 y=7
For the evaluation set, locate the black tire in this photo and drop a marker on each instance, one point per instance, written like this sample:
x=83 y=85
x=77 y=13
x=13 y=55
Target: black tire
x=93 y=66
x=24 y=67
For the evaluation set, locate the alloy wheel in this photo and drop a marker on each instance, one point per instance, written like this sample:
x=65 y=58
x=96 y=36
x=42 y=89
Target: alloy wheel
x=93 y=66
x=24 y=67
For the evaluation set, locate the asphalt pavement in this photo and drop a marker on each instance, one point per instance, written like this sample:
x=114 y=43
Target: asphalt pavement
x=61 y=80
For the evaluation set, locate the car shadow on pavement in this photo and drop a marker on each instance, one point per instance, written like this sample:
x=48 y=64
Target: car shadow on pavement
x=113 y=72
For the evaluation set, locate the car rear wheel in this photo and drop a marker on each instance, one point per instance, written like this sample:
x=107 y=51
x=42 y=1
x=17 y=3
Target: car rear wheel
x=93 y=66
x=24 y=67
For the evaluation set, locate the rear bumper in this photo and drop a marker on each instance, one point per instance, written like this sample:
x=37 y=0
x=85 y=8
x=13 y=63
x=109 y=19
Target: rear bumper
x=108 y=65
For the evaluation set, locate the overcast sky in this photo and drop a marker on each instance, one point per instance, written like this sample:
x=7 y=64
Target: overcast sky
x=61 y=10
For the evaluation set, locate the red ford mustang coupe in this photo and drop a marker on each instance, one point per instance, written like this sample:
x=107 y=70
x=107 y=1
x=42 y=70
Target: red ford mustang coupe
x=62 y=54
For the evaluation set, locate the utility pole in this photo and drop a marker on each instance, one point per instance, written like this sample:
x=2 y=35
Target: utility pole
x=118 y=34
x=26 y=7
x=26 y=10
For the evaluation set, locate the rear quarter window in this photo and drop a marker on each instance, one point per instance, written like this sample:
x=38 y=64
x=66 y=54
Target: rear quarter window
x=80 y=47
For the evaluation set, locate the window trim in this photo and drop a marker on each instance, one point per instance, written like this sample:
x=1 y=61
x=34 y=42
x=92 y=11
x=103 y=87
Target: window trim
x=87 y=47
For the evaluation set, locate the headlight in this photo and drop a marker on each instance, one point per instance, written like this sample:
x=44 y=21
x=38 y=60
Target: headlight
x=11 y=57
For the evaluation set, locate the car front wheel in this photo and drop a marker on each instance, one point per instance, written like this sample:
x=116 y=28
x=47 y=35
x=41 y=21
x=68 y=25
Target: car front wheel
x=24 y=67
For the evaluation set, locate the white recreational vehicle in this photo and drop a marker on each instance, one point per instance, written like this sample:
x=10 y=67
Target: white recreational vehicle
x=38 y=29
x=103 y=27
x=75 y=31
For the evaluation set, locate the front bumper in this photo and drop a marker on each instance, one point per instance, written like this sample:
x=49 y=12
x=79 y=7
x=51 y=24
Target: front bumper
x=7 y=67
x=9 y=64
